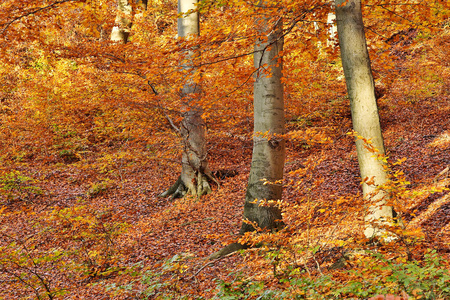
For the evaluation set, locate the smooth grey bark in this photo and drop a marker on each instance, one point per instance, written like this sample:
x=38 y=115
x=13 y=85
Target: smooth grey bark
x=123 y=22
x=331 y=18
x=268 y=141
x=121 y=29
x=266 y=172
x=195 y=172
x=365 y=118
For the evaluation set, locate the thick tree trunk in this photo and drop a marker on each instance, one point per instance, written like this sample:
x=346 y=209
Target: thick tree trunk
x=366 y=122
x=194 y=173
x=268 y=141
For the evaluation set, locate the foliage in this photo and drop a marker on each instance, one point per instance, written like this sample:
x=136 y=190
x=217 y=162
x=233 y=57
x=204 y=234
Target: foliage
x=65 y=245
x=429 y=279
x=243 y=289
x=296 y=260
x=372 y=274
x=88 y=141
x=15 y=186
x=161 y=283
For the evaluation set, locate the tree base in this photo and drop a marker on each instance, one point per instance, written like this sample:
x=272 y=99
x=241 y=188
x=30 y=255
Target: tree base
x=179 y=189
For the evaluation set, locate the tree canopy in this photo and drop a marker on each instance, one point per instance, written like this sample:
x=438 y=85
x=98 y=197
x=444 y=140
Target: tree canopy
x=91 y=133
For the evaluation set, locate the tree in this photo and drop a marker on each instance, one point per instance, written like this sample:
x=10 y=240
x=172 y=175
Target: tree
x=266 y=173
x=121 y=30
x=195 y=172
x=124 y=20
x=365 y=118
x=268 y=141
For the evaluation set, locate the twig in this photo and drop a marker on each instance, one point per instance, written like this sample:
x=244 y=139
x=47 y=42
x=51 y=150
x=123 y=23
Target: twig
x=32 y=12
x=211 y=263
x=441 y=174
x=195 y=221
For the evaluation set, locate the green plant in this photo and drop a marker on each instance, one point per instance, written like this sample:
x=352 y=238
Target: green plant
x=97 y=188
x=429 y=279
x=160 y=283
x=241 y=288
x=17 y=187
x=370 y=275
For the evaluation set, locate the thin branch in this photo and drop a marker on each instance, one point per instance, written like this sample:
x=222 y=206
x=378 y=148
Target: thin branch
x=163 y=111
x=211 y=263
x=155 y=92
x=400 y=16
x=32 y=12
x=24 y=282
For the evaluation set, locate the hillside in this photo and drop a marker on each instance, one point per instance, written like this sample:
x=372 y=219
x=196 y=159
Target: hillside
x=85 y=154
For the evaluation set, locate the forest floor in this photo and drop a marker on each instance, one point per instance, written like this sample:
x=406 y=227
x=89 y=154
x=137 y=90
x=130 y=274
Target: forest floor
x=93 y=227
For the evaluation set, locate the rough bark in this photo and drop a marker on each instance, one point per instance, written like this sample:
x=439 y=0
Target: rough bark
x=195 y=172
x=268 y=141
x=365 y=118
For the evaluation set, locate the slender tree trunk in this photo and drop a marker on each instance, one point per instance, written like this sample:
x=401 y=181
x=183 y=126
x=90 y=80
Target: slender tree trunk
x=195 y=172
x=121 y=30
x=124 y=20
x=366 y=122
x=332 y=30
x=268 y=140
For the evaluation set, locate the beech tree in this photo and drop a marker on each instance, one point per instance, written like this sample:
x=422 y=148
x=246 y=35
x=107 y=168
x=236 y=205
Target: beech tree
x=266 y=173
x=364 y=110
x=195 y=172
x=268 y=142
x=123 y=22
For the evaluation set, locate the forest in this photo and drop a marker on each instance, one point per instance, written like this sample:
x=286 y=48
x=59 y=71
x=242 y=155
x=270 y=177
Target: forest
x=225 y=149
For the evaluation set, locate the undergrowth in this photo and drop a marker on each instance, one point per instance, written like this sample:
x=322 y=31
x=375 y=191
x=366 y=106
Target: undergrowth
x=300 y=262
x=371 y=274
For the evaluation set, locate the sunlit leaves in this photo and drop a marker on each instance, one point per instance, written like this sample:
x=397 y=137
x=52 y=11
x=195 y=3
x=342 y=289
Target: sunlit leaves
x=86 y=146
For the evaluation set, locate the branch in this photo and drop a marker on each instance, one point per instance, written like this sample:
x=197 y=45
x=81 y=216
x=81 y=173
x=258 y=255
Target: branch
x=211 y=263
x=34 y=11
x=160 y=107
x=155 y=92
x=400 y=16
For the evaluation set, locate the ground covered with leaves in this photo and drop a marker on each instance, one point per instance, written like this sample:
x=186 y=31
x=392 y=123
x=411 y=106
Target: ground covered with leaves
x=81 y=218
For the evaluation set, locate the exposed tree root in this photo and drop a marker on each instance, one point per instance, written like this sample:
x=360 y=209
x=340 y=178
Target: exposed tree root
x=201 y=187
x=227 y=250
x=177 y=190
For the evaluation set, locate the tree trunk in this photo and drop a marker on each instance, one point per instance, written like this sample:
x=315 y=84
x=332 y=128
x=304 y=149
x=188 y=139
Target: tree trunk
x=121 y=30
x=268 y=139
x=365 y=118
x=124 y=20
x=195 y=172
